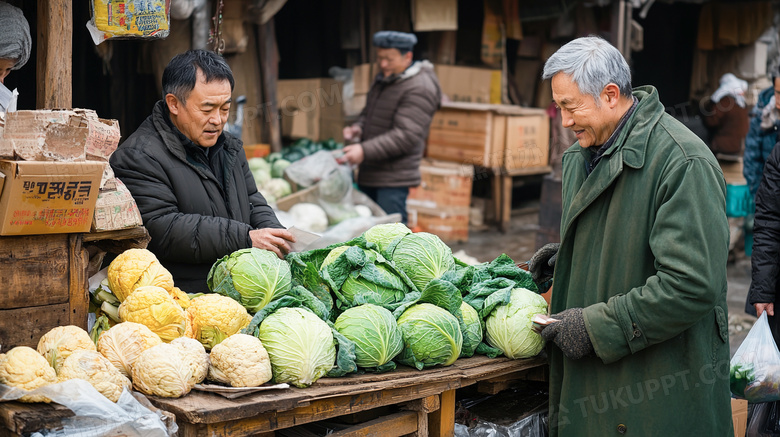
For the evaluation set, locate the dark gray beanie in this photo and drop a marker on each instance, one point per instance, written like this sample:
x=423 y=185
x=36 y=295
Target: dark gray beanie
x=390 y=39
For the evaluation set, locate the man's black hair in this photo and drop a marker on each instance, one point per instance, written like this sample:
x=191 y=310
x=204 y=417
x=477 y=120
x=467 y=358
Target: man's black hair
x=181 y=73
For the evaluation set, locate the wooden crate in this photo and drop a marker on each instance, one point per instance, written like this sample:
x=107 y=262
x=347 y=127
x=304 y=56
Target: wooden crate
x=451 y=225
x=493 y=136
x=441 y=204
x=44 y=286
x=45 y=280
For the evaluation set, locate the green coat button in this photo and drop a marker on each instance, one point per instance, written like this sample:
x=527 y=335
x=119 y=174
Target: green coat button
x=622 y=428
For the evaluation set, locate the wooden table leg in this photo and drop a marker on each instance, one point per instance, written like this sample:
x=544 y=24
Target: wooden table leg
x=441 y=423
x=506 y=202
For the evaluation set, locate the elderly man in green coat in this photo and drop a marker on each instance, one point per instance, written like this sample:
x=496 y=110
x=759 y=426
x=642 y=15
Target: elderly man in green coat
x=639 y=284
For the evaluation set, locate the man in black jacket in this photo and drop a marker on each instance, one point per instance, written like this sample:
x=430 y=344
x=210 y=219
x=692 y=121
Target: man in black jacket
x=191 y=180
x=766 y=243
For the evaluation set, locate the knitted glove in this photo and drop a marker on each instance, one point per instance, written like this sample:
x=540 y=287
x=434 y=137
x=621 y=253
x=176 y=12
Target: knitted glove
x=542 y=264
x=569 y=334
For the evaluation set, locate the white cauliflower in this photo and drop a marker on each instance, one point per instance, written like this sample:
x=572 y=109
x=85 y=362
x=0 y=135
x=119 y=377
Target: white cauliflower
x=241 y=361
x=25 y=368
x=124 y=342
x=96 y=370
x=57 y=344
x=195 y=355
x=162 y=371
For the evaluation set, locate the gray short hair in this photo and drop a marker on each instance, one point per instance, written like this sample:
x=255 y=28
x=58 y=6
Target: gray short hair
x=592 y=63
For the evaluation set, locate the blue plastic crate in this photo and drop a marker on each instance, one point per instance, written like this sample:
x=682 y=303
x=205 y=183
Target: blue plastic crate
x=739 y=202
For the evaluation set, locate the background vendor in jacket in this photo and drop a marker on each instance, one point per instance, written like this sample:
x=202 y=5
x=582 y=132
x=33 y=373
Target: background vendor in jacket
x=639 y=280
x=392 y=128
x=191 y=179
x=726 y=114
x=762 y=134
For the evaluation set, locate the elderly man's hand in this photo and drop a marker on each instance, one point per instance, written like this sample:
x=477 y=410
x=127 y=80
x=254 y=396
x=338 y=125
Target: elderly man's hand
x=272 y=239
x=353 y=154
x=542 y=264
x=768 y=307
x=570 y=334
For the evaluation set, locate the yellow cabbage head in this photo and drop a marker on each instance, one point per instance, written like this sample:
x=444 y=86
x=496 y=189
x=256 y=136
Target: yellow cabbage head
x=180 y=297
x=211 y=318
x=57 y=344
x=241 y=361
x=154 y=307
x=25 y=368
x=195 y=355
x=135 y=268
x=124 y=342
x=96 y=370
x=162 y=371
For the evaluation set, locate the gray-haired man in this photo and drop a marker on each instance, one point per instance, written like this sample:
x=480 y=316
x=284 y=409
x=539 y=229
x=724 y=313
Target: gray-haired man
x=639 y=281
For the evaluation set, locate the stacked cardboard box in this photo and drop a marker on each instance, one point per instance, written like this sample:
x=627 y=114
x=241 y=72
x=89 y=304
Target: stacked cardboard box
x=54 y=169
x=441 y=204
x=494 y=136
x=469 y=84
x=311 y=108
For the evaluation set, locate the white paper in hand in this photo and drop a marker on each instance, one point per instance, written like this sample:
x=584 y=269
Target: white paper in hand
x=302 y=239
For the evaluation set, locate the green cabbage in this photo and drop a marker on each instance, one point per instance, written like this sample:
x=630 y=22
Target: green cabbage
x=252 y=276
x=509 y=327
x=278 y=168
x=299 y=344
x=384 y=234
x=422 y=256
x=359 y=276
x=375 y=333
x=431 y=335
x=472 y=334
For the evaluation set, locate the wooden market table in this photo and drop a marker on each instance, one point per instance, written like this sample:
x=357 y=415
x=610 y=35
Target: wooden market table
x=426 y=400
x=45 y=279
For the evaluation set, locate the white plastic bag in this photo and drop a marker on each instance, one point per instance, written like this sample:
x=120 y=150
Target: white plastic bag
x=95 y=415
x=755 y=367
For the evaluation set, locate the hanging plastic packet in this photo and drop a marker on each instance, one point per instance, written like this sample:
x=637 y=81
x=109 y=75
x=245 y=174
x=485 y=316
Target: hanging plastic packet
x=126 y=19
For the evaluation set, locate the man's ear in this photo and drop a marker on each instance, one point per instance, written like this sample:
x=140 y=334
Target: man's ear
x=174 y=104
x=611 y=94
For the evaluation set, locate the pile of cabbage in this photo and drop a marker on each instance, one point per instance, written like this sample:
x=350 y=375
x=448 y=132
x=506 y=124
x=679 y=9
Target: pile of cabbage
x=385 y=298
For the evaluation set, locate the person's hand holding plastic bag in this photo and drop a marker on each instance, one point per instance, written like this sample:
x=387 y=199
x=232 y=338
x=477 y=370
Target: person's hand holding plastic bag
x=755 y=367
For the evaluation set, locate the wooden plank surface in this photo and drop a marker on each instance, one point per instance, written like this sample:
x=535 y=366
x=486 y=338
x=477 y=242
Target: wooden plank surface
x=54 y=54
x=78 y=259
x=20 y=418
x=25 y=326
x=360 y=392
x=39 y=264
x=139 y=232
x=392 y=425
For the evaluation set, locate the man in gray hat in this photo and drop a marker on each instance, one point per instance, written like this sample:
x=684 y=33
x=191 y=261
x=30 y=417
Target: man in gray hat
x=389 y=136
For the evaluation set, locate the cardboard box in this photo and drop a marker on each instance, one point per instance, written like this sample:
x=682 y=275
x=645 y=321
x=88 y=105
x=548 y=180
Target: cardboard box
x=493 y=136
x=115 y=209
x=739 y=417
x=751 y=61
x=469 y=84
x=48 y=197
x=363 y=77
x=430 y=15
x=441 y=204
x=58 y=135
x=311 y=108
